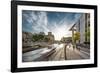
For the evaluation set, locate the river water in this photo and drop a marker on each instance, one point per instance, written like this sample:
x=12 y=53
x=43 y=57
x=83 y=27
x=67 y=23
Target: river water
x=32 y=55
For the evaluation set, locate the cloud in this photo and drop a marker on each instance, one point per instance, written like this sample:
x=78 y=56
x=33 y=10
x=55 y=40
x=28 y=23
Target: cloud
x=35 y=20
x=61 y=30
x=55 y=22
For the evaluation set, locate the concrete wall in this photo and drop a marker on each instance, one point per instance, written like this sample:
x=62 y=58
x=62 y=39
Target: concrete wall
x=82 y=28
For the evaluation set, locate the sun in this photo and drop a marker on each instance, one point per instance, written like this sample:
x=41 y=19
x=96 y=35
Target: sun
x=61 y=32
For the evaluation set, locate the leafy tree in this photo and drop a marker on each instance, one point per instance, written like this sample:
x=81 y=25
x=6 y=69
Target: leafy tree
x=87 y=34
x=46 y=39
x=76 y=36
x=35 y=37
x=38 y=37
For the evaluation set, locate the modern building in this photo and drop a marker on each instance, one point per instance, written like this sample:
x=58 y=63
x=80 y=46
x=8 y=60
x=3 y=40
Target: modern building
x=82 y=26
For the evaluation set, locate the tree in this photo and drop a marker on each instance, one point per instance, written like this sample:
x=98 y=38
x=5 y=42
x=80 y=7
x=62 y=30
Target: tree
x=46 y=39
x=76 y=36
x=35 y=37
x=38 y=37
x=87 y=34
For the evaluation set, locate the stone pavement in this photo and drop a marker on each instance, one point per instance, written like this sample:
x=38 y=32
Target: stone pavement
x=71 y=54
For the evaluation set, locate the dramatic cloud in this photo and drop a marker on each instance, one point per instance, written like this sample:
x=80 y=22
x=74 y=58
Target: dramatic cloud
x=58 y=23
x=34 y=21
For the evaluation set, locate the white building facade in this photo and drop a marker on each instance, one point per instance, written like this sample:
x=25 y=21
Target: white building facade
x=81 y=26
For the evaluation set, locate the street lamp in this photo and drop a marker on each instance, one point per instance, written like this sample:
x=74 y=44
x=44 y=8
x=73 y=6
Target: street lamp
x=65 y=51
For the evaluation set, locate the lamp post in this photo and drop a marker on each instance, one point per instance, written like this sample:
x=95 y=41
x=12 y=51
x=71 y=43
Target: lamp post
x=65 y=51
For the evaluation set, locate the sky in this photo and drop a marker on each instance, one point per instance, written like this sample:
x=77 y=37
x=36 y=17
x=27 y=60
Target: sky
x=58 y=23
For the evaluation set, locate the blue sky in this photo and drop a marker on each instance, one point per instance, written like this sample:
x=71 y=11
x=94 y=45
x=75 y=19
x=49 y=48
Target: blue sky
x=58 y=23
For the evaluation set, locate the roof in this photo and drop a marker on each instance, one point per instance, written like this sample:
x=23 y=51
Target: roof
x=72 y=28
